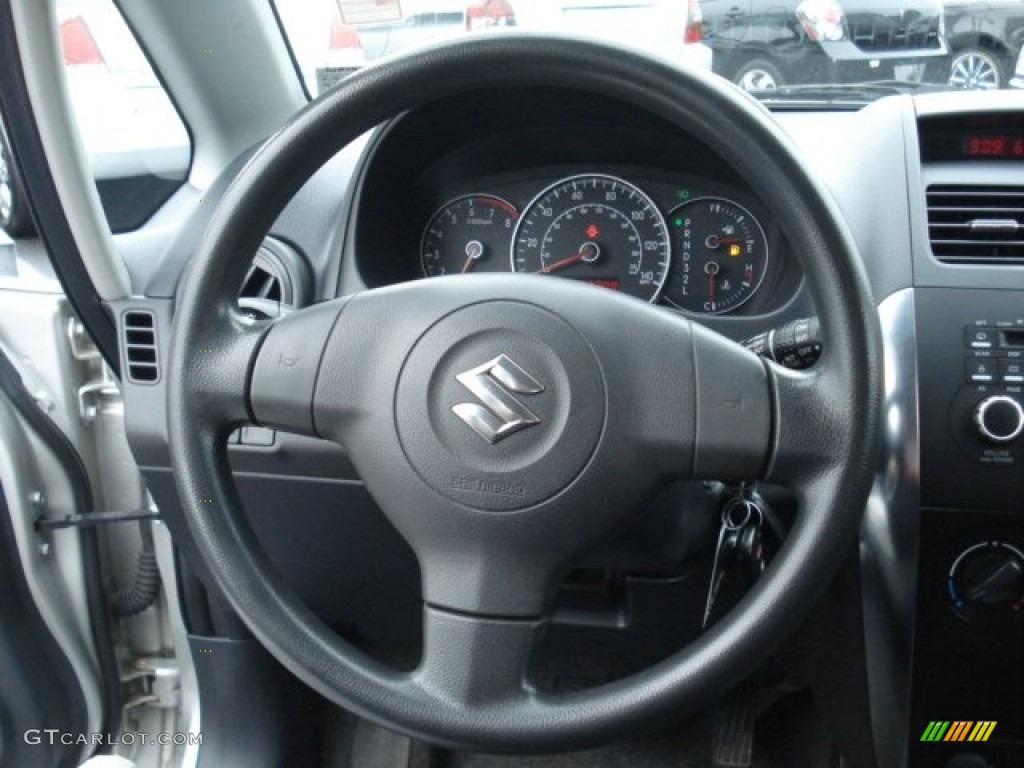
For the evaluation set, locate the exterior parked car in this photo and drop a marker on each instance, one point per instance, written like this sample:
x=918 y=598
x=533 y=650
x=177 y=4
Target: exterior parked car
x=421 y=22
x=764 y=44
x=127 y=122
x=1017 y=81
x=984 y=39
x=670 y=28
x=129 y=127
x=131 y=132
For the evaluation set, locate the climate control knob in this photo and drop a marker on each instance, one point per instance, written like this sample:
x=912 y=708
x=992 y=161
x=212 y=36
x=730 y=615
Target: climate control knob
x=999 y=418
x=987 y=578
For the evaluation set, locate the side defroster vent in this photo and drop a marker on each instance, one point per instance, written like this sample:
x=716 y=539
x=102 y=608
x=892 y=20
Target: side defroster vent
x=976 y=225
x=140 y=349
x=261 y=283
x=279 y=280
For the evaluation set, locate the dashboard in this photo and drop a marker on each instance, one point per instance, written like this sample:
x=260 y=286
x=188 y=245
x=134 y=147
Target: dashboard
x=925 y=624
x=578 y=188
x=928 y=185
x=680 y=243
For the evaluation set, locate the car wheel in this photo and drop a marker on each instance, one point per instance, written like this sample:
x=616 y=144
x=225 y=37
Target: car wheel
x=975 y=69
x=759 y=75
x=14 y=215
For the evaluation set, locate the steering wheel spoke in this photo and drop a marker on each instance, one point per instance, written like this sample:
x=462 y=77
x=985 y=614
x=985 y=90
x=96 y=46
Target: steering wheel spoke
x=733 y=402
x=683 y=400
x=473 y=661
x=215 y=370
x=283 y=386
x=811 y=426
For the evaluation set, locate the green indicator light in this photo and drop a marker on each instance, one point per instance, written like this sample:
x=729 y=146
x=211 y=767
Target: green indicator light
x=683 y=194
x=677 y=222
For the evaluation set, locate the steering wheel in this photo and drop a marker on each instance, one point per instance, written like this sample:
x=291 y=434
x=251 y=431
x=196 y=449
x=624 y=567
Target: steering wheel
x=504 y=423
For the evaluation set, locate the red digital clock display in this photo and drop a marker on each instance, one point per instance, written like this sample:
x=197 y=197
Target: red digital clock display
x=993 y=145
x=982 y=138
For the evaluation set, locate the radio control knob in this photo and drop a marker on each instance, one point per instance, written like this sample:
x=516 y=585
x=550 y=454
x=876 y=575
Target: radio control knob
x=999 y=418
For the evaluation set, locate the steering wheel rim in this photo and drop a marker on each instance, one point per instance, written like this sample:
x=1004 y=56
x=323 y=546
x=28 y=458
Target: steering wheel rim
x=820 y=439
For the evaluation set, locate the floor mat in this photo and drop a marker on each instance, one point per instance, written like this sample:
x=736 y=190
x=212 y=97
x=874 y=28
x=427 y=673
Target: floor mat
x=686 y=746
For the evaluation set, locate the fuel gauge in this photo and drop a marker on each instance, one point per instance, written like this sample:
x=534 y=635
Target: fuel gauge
x=719 y=256
x=468 y=234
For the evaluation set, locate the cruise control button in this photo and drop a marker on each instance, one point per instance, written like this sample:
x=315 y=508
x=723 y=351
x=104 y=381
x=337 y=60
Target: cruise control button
x=980 y=371
x=979 y=338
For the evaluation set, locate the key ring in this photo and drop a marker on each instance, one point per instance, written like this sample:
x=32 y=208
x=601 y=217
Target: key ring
x=739 y=511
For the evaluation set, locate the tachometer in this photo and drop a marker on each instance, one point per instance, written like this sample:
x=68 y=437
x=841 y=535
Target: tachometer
x=466 y=234
x=719 y=256
x=598 y=229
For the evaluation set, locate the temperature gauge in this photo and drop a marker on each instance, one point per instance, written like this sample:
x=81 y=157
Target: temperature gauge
x=719 y=256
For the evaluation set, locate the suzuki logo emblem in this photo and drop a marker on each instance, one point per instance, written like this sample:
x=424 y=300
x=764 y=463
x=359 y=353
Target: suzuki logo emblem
x=501 y=414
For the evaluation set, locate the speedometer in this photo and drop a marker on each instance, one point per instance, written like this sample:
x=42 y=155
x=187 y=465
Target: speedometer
x=597 y=229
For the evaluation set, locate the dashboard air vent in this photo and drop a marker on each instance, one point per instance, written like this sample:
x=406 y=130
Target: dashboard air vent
x=261 y=283
x=278 y=281
x=976 y=224
x=140 y=348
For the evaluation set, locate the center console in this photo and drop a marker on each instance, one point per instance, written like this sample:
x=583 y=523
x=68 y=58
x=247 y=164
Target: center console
x=968 y=672
x=967 y=661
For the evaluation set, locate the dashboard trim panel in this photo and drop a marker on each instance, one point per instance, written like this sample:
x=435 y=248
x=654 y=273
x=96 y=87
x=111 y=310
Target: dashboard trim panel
x=890 y=537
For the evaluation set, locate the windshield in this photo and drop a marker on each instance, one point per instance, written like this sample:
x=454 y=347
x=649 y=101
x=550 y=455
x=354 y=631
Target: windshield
x=830 y=53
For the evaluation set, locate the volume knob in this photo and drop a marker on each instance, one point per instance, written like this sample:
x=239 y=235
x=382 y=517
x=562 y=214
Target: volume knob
x=999 y=418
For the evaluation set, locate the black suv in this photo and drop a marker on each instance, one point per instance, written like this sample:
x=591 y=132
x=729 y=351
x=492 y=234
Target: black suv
x=985 y=38
x=764 y=44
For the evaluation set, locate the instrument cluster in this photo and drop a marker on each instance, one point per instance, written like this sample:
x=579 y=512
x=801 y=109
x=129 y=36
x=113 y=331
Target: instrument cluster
x=688 y=245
